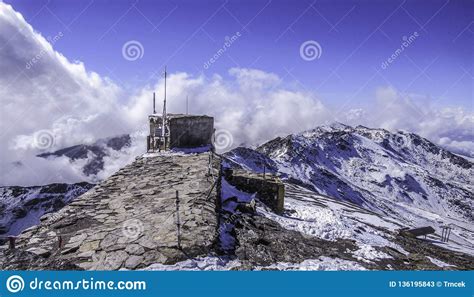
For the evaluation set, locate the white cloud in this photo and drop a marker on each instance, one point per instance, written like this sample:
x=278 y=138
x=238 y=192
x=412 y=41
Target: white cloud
x=75 y=106
x=251 y=105
x=42 y=91
x=453 y=128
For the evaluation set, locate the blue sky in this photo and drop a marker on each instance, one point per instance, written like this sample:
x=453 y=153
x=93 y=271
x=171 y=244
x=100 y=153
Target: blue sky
x=288 y=66
x=355 y=37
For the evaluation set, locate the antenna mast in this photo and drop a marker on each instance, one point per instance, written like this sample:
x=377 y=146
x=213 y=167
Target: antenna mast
x=163 y=116
x=154 y=110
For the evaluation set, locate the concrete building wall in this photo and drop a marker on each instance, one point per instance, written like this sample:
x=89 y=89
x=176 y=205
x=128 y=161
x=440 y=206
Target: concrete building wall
x=191 y=131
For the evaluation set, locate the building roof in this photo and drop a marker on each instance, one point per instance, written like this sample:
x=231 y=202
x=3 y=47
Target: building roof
x=178 y=115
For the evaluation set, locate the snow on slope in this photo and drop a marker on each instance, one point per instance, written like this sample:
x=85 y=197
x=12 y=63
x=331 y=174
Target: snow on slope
x=330 y=219
x=405 y=179
x=219 y=264
x=22 y=207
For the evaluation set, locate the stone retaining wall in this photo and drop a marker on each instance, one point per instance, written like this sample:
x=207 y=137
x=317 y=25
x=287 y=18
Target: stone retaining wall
x=269 y=188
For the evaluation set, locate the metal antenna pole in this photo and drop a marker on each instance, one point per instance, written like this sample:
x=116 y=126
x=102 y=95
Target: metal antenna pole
x=154 y=110
x=163 y=117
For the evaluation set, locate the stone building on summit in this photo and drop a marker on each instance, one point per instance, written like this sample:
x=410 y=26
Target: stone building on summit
x=168 y=131
x=181 y=131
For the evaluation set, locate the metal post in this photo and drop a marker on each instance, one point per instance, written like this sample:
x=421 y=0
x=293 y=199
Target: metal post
x=177 y=220
x=163 y=119
x=445 y=233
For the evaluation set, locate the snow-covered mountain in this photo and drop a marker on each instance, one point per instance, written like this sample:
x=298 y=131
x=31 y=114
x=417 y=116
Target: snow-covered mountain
x=22 y=207
x=400 y=176
x=348 y=191
x=94 y=152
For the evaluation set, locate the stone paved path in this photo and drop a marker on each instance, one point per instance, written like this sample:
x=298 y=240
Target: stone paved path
x=129 y=220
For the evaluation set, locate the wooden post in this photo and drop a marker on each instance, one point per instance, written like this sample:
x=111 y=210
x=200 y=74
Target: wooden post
x=11 y=242
x=209 y=167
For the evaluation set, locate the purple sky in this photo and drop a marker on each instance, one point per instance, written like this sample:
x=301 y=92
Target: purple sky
x=356 y=37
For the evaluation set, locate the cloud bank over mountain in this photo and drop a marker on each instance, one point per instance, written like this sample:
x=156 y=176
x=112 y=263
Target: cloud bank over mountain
x=49 y=102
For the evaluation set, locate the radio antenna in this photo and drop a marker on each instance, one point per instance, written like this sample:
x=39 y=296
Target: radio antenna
x=163 y=116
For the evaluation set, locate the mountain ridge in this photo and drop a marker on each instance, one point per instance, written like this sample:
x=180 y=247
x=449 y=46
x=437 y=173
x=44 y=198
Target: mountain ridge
x=400 y=175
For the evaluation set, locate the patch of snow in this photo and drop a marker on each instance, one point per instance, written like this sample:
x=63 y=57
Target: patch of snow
x=226 y=239
x=323 y=263
x=320 y=222
x=197 y=264
x=439 y=263
x=331 y=219
x=367 y=252
x=193 y=150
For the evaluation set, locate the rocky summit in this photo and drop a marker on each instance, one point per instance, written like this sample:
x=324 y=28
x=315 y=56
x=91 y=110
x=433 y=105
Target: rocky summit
x=349 y=197
x=130 y=220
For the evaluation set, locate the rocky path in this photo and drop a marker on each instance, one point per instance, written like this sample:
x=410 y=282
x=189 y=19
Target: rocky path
x=129 y=220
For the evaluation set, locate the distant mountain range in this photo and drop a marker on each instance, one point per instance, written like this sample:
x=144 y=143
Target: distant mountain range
x=348 y=185
x=22 y=207
x=96 y=152
x=398 y=175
